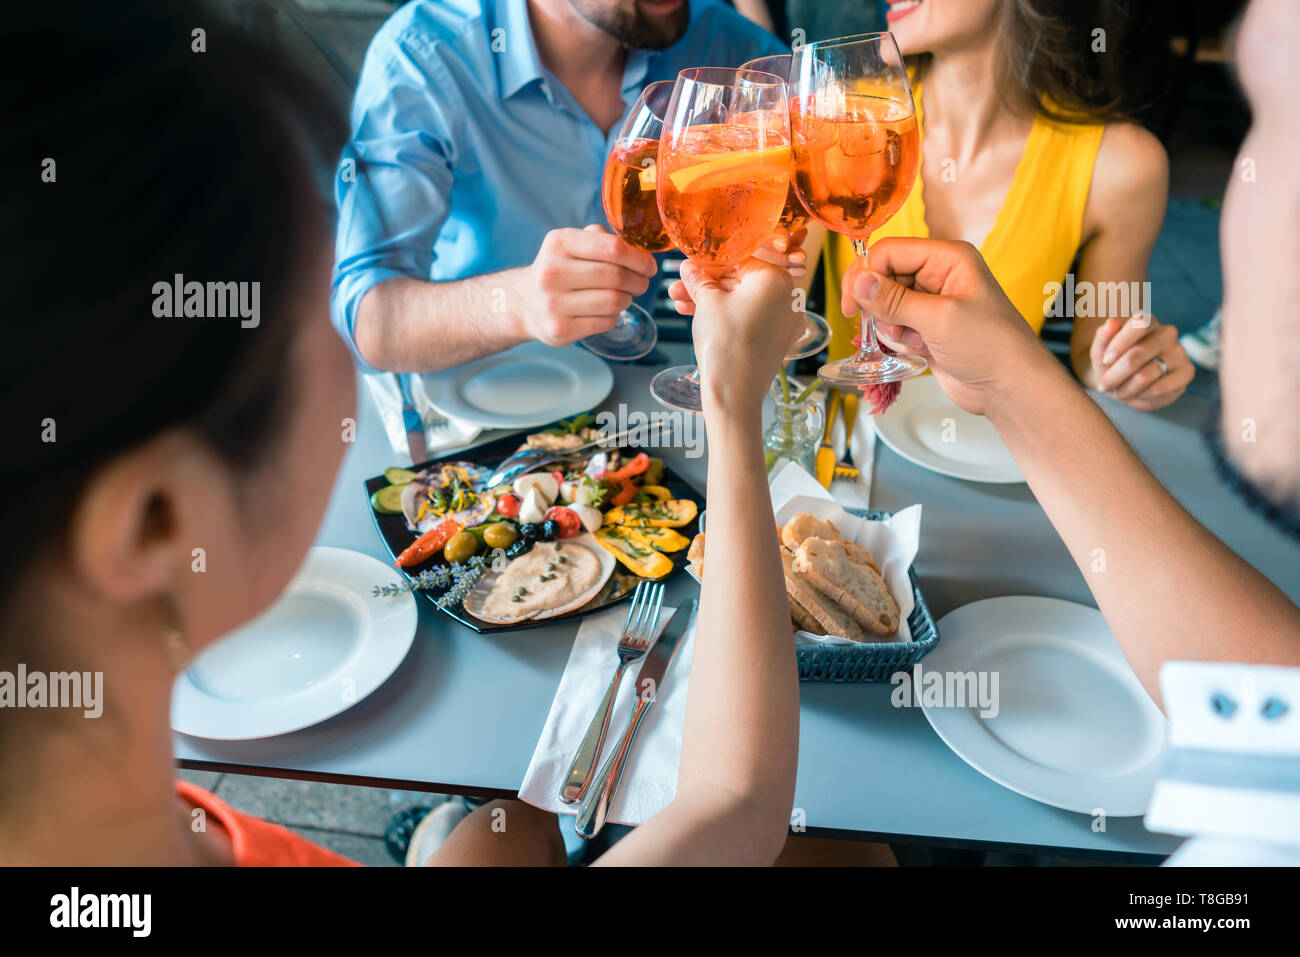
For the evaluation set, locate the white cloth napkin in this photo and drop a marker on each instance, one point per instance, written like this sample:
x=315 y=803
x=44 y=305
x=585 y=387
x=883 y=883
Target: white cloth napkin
x=893 y=544
x=650 y=777
x=441 y=431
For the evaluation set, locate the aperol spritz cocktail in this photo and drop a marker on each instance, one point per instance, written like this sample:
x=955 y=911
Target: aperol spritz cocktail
x=855 y=154
x=632 y=207
x=724 y=171
x=794 y=220
x=721 y=191
x=631 y=199
x=857 y=163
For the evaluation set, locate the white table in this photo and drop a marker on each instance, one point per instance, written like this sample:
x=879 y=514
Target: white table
x=463 y=712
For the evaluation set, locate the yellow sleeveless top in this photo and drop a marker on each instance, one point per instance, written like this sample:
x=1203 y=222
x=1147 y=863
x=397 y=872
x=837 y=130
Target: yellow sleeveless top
x=1034 y=238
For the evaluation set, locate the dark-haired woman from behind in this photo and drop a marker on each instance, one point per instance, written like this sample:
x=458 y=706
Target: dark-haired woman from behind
x=165 y=472
x=153 y=489
x=1026 y=156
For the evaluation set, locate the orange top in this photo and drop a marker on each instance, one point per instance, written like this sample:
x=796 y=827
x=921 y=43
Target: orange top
x=259 y=843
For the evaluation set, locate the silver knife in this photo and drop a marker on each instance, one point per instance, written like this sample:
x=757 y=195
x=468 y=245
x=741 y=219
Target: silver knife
x=412 y=423
x=595 y=806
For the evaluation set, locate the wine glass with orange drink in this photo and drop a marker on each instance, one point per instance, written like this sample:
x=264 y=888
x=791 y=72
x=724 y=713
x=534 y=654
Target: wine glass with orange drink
x=794 y=221
x=723 y=176
x=855 y=150
x=632 y=208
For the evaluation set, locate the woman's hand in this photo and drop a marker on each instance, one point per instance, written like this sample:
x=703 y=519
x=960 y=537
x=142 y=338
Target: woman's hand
x=937 y=299
x=780 y=250
x=744 y=324
x=1124 y=362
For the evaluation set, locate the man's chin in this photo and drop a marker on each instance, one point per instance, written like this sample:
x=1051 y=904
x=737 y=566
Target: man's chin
x=657 y=25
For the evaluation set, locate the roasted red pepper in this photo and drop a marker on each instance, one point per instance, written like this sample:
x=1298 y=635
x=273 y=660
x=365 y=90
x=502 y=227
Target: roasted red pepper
x=626 y=492
x=638 y=465
x=428 y=544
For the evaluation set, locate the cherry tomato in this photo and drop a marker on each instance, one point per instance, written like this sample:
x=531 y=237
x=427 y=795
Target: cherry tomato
x=566 y=518
x=428 y=544
x=559 y=478
x=508 y=505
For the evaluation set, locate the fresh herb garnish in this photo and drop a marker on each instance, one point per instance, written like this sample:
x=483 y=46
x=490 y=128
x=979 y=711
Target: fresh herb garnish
x=458 y=578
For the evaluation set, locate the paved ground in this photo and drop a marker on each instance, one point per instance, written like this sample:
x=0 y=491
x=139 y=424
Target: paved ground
x=348 y=820
x=1186 y=288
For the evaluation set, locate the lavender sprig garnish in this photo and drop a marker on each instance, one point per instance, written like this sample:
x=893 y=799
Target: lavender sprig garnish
x=458 y=579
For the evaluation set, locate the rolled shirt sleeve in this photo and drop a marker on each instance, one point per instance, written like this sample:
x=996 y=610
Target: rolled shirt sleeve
x=394 y=180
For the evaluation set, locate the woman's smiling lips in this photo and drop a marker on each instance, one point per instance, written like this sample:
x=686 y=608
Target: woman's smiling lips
x=901 y=9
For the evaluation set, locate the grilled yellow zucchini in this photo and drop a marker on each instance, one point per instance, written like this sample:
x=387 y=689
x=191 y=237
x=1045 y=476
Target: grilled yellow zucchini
x=639 y=557
x=673 y=513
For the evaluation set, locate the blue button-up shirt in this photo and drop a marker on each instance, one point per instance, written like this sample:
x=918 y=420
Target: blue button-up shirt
x=466 y=150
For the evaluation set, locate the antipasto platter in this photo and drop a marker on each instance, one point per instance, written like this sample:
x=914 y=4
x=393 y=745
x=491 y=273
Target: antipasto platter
x=567 y=539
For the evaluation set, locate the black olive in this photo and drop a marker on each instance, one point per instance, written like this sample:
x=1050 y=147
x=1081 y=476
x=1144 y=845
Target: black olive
x=530 y=531
x=522 y=546
x=550 y=530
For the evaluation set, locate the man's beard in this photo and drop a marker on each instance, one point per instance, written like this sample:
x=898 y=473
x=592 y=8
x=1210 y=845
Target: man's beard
x=632 y=26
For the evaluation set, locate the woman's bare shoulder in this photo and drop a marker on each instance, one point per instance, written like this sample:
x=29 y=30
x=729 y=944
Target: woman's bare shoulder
x=1130 y=161
x=1130 y=178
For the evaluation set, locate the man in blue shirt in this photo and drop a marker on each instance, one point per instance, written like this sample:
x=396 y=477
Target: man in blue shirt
x=470 y=217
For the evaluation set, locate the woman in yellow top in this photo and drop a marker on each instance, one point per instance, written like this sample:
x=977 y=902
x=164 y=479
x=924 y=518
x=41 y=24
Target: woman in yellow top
x=1022 y=157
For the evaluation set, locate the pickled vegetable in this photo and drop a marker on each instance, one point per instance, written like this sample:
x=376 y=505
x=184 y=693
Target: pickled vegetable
x=460 y=547
x=500 y=535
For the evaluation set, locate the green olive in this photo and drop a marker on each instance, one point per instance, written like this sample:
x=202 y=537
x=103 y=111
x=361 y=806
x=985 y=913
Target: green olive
x=460 y=547
x=500 y=535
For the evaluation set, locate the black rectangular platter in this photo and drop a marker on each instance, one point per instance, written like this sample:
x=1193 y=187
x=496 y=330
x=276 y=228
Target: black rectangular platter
x=392 y=529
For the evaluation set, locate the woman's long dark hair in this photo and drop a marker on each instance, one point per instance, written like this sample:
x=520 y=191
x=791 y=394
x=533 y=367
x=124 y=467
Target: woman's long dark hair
x=1050 y=67
x=144 y=150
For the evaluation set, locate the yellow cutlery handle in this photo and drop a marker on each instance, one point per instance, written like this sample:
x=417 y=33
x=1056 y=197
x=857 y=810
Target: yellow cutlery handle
x=832 y=408
x=850 y=416
x=825 y=463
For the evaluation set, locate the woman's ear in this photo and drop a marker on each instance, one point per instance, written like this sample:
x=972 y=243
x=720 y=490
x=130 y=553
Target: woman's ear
x=130 y=532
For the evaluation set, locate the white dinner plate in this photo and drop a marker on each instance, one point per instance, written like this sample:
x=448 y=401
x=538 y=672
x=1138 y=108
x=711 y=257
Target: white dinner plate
x=927 y=428
x=526 y=386
x=1074 y=727
x=324 y=645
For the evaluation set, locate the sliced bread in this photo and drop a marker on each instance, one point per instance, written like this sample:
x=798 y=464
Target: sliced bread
x=804 y=526
x=827 y=617
x=837 y=571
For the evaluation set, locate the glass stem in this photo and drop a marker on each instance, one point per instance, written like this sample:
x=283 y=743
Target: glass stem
x=869 y=350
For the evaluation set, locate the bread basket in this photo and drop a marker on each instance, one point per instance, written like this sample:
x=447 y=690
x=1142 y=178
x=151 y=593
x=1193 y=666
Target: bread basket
x=867 y=661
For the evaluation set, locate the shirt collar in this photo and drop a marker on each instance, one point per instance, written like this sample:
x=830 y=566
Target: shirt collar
x=635 y=72
x=517 y=63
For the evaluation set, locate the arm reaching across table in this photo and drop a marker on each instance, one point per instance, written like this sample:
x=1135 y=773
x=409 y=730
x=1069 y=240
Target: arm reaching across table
x=735 y=785
x=1170 y=589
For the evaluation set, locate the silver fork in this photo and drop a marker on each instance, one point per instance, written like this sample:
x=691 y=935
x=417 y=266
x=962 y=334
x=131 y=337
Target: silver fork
x=638 y=632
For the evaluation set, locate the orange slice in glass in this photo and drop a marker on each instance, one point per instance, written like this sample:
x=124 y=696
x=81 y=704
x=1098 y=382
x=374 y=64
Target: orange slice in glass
x=724 y=169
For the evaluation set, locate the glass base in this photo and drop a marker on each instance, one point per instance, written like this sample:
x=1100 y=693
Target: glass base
x=887 y=368
x=633 y=337
x=816 y=336
x=678 y=388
